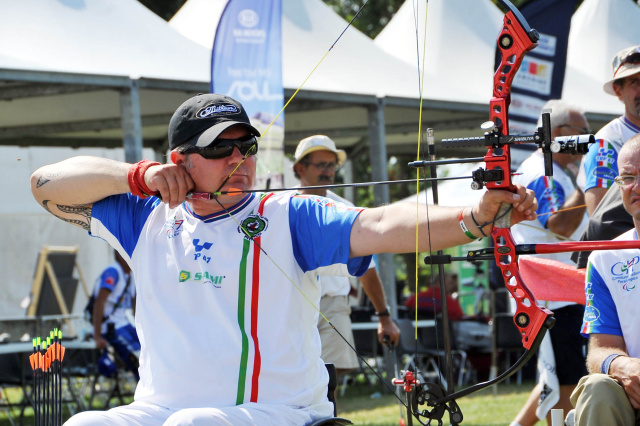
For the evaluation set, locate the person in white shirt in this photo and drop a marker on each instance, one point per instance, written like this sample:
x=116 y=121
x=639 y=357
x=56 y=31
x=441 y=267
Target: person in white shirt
x=316 y=161
x=610 y=394
x=226 y=306
x=599 y=166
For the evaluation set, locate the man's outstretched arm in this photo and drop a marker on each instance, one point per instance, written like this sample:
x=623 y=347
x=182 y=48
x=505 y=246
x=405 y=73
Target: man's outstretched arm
x=392 y=228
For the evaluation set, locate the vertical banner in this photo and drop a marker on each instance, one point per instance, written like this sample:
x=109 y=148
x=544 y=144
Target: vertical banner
x=541 y=74
x=246 y=64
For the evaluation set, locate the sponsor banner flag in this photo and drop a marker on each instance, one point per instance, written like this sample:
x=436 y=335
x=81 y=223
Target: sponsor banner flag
x=541 y=75
x=246 y=64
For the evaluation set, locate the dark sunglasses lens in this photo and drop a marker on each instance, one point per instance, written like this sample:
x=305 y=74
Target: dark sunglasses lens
x=224 y=148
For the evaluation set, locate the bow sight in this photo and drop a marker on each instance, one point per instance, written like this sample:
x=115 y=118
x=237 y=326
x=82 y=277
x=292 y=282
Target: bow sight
x=495 y=141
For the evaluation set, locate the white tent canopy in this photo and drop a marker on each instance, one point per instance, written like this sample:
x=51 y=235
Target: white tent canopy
x=309 y=28
x=78 y=71
x=463 y=32
x=599 y=29
x=353 y=75
x=120 y=38
x=460 y=41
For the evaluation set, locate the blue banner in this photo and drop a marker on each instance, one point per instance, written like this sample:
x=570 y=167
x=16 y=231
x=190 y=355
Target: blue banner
x=246 y=64
x=541 y=74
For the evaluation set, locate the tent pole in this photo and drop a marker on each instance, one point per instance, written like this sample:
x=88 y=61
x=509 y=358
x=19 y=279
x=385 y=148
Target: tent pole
x=378 y=155
x=131 y=122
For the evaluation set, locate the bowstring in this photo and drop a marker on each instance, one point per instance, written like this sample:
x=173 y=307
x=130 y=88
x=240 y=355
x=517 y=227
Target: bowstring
x=421 y=70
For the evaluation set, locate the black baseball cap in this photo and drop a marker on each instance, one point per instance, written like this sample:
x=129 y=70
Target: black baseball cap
x=200 y=120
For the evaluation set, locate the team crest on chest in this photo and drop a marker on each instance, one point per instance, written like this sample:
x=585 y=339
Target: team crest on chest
x=253 y=226
x=173 y=227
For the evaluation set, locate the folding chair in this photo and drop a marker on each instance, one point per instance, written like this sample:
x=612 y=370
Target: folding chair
x=433 y=340
x=508 y=339
x=416 y=356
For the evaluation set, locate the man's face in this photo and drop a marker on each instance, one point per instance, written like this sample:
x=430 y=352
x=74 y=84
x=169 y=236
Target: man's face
x=208 y=175
x=321 y=169
x=629 y=94
x=629 y=165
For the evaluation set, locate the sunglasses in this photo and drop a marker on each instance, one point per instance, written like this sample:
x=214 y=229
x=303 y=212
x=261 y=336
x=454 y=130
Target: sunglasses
x=323 y=166
x=632 y=57
x=224 y=148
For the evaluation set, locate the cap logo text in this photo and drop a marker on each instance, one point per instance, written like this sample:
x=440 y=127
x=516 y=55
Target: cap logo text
x=217 y=109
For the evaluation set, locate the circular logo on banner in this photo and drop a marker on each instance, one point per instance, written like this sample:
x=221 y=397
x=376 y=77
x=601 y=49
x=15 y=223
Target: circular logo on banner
x=248 y=18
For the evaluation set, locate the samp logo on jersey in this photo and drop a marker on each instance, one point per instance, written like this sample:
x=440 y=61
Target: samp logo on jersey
x=253 y=226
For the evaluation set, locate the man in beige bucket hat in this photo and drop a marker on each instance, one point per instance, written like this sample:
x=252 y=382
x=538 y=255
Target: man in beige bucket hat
x=316 y=161
x=599 y=166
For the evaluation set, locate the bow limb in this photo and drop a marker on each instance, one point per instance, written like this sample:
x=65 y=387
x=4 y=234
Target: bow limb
x=514 y=41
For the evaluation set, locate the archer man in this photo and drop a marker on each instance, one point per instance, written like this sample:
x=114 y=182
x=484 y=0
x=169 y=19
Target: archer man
x=227 y=287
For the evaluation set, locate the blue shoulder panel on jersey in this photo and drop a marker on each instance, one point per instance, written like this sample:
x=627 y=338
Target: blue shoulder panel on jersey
x=124 y=215
x=600 y=165
x=550 y=198
x=109 y=278
x=600 y=313
x=321 y=232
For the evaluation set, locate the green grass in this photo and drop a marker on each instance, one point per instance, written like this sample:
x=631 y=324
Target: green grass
x=478 y=409
x=367 y=405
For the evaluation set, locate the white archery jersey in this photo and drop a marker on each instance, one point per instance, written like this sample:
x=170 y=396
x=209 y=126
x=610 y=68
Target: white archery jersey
x=612 y=287
x=218 y=321
x=599 y=166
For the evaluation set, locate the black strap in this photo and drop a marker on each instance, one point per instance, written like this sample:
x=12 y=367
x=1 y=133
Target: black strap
x=117 y=305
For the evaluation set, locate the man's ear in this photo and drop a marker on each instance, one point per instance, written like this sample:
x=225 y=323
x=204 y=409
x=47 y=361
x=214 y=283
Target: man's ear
x=617 y=89
x=177 y=158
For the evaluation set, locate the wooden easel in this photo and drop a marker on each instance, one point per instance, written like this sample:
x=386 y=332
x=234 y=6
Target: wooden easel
x=64 y=260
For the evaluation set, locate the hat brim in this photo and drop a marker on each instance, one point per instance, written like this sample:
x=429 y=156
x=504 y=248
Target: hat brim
x=340 y=153
x=205 y=138
x=608 y=86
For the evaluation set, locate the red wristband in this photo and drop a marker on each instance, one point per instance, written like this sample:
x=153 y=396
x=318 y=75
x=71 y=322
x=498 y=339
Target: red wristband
x=135 y=177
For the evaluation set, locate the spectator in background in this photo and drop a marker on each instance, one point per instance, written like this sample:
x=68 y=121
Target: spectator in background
x=316 y=161
x=561 y=216
x=113 y=295
x=610 y=394
x=430 y=302
x=599 y=167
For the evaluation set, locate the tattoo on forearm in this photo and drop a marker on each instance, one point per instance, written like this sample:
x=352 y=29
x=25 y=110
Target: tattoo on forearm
x=44 y=179
x=84 y=211
x=84 y=225
x=45 y=204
